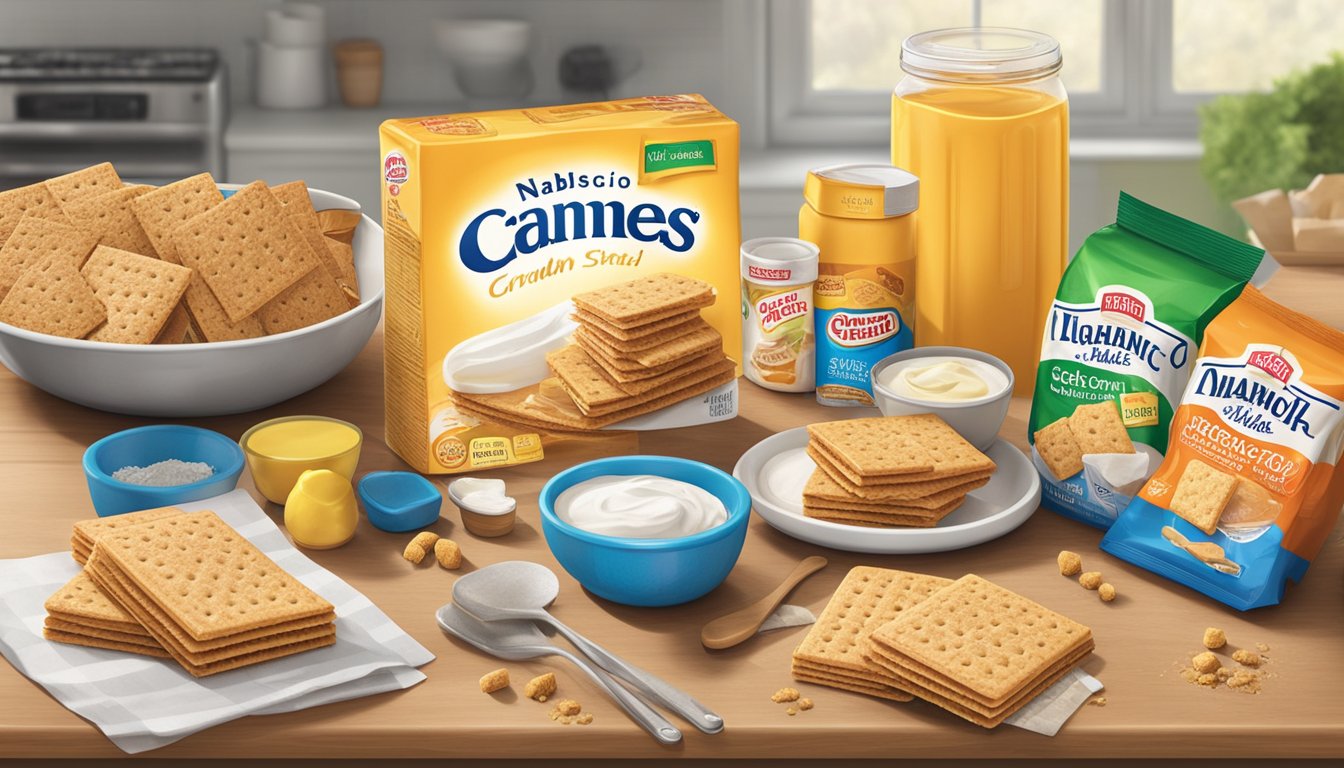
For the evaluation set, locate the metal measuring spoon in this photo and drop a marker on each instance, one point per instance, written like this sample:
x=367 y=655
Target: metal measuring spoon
x=521 y=590
x=521 y=640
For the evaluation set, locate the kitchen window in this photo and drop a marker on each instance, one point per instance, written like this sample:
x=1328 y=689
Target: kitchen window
x=1133 y=68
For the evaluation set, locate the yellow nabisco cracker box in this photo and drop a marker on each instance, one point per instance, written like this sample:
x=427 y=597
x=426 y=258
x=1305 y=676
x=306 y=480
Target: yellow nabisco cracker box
x=556 y=272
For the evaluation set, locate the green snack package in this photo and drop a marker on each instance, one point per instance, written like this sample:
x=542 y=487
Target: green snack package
x=1118 y=347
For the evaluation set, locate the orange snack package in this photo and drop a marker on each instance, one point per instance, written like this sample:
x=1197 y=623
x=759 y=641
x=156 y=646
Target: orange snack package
x=1250 y=486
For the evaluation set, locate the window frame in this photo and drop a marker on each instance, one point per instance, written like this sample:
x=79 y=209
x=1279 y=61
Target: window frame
x=1137 y=98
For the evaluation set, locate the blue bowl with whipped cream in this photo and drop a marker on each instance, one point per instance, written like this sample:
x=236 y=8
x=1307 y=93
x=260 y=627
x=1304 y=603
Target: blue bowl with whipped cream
x=646 y=531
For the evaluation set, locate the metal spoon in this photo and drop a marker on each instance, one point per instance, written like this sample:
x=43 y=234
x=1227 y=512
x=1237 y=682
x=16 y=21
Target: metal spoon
x=521 y=640
x=521 y=590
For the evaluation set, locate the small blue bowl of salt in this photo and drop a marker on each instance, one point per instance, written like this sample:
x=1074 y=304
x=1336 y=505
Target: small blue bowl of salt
x=397 y=502
x=159 y=466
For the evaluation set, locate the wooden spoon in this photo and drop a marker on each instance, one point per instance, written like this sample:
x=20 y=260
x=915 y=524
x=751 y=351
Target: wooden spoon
x=731 y=629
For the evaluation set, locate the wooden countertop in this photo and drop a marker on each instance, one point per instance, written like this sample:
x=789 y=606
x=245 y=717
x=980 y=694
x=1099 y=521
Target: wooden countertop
x=1142 y=639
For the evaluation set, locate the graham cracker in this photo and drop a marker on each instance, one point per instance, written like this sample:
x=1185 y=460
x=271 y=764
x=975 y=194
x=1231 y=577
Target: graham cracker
x=634 y=333
x=35 y=238
x=75 y=627
x=70 y=638
x=821 y=488
x=866 y=599
x=897 y=492
x=294 y=194
x=209 y=321
x=161 y=211
x=314 y=298
x=81 y=599
x=32 y=200
x=87 y=182
x=696 y=342
x=343 y=256
x=628 y=347
x=872 y=447
x=645 y=299
x=1059 y=449
x=874 y=678
x=52 y=297
x=87 y=532
x=235 y=586
x=993 y=717
x=1201 y=494
x=247 y=250
x=1098 y=428
x=514 y=407
x=593 y=392
x=110 y=218
x=625 y=372
x=848 y=684
x=177 y=327
x=963 y=464
x=139 y=292
x=507 y=421
x=869 y=520
x=980 y=640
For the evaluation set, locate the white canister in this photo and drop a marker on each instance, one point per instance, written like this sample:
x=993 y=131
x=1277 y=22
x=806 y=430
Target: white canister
x=296 y=25
x=291 y=77
x=778 y=340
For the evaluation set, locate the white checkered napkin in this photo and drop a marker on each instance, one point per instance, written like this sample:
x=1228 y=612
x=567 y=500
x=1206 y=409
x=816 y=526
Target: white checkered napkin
x=142 y=703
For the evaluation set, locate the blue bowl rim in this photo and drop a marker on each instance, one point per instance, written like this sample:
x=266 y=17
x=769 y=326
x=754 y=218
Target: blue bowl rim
x=234 y=468
x=419 y=480
x=739 y=508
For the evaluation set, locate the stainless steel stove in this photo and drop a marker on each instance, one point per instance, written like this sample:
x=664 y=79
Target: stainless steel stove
x=158 y=114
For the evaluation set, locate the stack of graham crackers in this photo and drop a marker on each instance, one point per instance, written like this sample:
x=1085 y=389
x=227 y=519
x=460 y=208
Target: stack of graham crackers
x=968 y=646
x=640 y=346
x=184 y=586
x=86 y=256
x=890 y=471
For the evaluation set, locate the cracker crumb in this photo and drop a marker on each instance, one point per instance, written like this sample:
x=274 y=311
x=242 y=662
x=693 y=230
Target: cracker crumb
x=785 y=694
x=1262 y=647
x=448 y=554
x=497 y=680
x=566 y=708
x=1209 y=679
x=1246 y=658
x=1106 y=592
x=1214 y=638
x=420 y=546
x=585 y=719
x=804 y=705
x=1099 y=701
x=1245 y=681
x=1090 y=580
x=540 y=687
x=1190 y=675
x=1205 y=662
x=1223 y=673
x=1070 y=563
x=791 y=711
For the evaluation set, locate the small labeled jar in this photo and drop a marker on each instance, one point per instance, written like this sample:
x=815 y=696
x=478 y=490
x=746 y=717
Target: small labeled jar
x=778 y=341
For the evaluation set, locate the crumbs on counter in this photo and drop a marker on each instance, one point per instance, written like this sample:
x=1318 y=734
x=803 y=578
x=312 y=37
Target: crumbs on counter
x=1090 y=580
x=1207 y=670
x=448 y=553
x=1106 y=592
x=785 y=695
x=497 y=680
x=1070 y=563
x=1099 y=701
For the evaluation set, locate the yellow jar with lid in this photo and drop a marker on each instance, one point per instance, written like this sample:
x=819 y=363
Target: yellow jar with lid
x=862 y=219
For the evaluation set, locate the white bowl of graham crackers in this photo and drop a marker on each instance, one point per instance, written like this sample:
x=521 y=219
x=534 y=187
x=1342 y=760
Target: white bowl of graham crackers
x=187 y=300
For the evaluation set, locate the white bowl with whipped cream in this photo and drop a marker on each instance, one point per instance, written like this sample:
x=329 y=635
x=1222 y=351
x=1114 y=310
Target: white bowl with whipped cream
x=645 y=530
x=967 y=388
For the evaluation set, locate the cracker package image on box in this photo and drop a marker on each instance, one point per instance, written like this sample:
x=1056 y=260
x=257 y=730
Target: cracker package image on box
x=555 y=272
x=1250 y=488
x=1118 y=347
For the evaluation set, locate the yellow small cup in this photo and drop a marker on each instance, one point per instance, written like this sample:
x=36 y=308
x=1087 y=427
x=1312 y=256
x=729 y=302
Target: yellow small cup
x=279 y=450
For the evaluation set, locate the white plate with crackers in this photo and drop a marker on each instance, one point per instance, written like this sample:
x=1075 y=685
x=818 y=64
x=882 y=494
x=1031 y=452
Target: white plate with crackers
x=118 y=307
x=777 y=469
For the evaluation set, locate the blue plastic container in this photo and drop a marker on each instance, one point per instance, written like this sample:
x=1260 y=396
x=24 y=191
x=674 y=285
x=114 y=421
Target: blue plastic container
x=143 y=446
x=648 y=572
x=397 y=502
